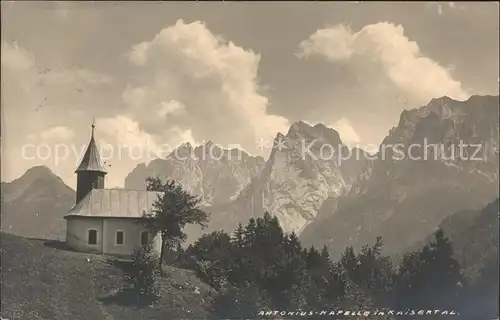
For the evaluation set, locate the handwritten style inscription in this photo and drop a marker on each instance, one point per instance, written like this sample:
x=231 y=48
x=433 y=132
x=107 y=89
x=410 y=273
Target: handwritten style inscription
x=365 y=313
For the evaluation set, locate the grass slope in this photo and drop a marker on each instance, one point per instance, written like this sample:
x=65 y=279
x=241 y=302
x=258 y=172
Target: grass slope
x=42 y=281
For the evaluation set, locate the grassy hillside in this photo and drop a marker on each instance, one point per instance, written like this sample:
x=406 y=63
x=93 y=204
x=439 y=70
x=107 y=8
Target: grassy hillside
x=42 y=281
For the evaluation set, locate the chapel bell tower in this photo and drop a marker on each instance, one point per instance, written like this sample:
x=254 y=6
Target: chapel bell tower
x=90 y=172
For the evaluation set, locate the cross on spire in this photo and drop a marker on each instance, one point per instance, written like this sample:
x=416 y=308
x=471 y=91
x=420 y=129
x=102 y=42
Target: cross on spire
x=93 y=126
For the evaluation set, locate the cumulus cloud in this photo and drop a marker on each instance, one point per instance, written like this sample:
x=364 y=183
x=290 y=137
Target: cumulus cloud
x=200 y=82
x=130 y=138
x=385 y=45
x=172 y=107
x=347 y=132
x=123 y=144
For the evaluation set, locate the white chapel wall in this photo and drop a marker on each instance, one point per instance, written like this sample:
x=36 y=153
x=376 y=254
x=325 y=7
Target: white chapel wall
x=77 y=234
x=132 y=236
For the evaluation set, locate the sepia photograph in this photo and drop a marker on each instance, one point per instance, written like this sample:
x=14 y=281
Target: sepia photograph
x=284 y=160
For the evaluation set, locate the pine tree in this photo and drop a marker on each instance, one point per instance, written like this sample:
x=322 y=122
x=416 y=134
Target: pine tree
x=354 y=297
x=431 y=278
x=239 y=236
x=325 y=254
x=292 y=244
x=349 y=261
x=375 y=272
x=443 y=278
x=250 y=233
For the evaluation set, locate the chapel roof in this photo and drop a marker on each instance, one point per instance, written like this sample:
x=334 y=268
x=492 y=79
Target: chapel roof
x=115 y=203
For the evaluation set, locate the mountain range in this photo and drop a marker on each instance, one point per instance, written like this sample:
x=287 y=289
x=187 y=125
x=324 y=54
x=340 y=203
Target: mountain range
x=402 y=198
x=311 y=184
x=34 y=205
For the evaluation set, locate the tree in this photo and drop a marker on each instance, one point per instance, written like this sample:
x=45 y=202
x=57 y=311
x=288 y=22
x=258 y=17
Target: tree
x=481 y=301
x=325 y=254
x=287 y=281
x=325 y=286
x=172 y=211
x=213 y=254
x=443 y=278
x=375 y=272
x=249 y=234
x=239 y=236
x=431 y=277
x=349 y=261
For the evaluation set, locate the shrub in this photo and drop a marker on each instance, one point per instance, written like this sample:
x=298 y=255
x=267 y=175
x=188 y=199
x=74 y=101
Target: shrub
x=145 y=276
x=211 y=272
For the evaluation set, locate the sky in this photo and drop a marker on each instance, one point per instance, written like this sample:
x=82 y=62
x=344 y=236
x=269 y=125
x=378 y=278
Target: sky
x=154 y=75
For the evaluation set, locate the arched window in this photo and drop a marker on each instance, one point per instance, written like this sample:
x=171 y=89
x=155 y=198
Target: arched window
x=92 y=237
x=144 y=238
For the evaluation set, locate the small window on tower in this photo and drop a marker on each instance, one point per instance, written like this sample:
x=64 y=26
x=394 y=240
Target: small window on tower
x=92 y=237
x=144 y=238
x=119 y=237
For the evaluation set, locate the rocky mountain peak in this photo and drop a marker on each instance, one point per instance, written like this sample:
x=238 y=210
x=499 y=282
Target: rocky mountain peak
x=331 y=135
x=447 y=120
x=302 y=130
x=416 y=193
x=183 y=151
x=215 y=174
x=299 y=175
x=298 y=126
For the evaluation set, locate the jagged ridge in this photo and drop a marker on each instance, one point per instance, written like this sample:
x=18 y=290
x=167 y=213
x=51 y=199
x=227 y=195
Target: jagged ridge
x=404 y=200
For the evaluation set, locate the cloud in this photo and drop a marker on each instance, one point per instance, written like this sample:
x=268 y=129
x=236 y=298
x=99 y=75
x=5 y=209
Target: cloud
x=172 y=107
x=19 y=61
x=27 y=83
x=75 y=75
x=29 y=86
x=124 y=144
x=198 y=81
x=61 y=132
x=125 y=133
x=347 y=132
x=45 y=103
x=385 y=46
